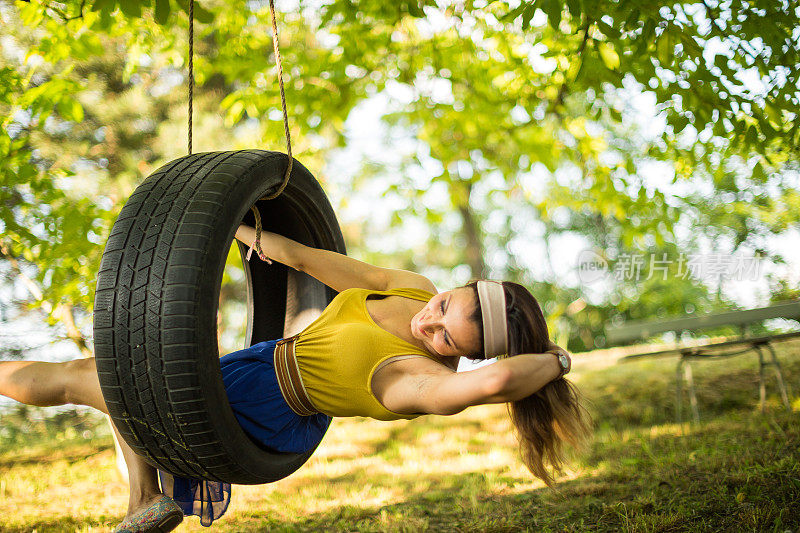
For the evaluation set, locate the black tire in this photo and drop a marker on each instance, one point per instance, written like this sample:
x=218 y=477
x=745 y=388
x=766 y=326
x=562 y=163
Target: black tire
x=155 y=310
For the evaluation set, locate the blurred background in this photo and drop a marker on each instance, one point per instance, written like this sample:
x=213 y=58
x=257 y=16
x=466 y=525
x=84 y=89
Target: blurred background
x=622 y=160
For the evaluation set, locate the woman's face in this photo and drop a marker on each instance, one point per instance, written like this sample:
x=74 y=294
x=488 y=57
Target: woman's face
x=444 y=325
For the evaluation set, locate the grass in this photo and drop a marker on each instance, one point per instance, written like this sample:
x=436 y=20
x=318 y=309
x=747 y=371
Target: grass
x=738 y=470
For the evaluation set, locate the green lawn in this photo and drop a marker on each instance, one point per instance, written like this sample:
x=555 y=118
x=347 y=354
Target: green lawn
x=738 y=470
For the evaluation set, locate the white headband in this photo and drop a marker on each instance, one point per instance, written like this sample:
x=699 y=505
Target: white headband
x=492 y=299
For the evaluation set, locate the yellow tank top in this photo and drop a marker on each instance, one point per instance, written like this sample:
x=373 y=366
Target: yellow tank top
x=338 y=353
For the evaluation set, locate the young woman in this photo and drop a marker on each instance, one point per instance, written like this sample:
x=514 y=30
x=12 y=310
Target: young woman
x=386 y=347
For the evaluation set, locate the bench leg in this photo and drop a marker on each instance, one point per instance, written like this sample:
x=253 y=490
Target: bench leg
x=679 y=391
x=762 y=386
x=692 y=396
x=785 y=392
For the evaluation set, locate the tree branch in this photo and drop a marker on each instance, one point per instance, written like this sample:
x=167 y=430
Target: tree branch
x=60 y=12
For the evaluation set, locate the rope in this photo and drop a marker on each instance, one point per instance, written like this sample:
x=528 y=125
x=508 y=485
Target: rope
x=191 y=69
x=283 y=105
x=257 y=243
x=279 y=63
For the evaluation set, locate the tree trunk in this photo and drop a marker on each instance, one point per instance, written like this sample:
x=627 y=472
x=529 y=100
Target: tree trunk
x=472 y=234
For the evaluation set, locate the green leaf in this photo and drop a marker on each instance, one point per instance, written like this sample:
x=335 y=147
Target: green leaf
x=514 y=13
x=632 y=20
x=162 y=11
x=201 y=14
x=773 y=113
x=719 y=128
x=553 y=8
x=608 y=55
x=751 y=137
x=415 y=10
x=690 y=45
x=607 y=29
x=648 y=30
x=664 y=49
x=527 y=15
x=679 y=123
x=103 y=5
x=70 y=109
x=575 y=9
x=131 y=8
x=758 y=173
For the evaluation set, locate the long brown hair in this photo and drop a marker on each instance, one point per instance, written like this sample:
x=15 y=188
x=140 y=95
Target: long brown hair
x=552 y=415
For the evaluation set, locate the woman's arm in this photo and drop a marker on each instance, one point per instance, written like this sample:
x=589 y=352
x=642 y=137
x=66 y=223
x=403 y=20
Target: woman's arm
x=526 y=374
x=440 y=391
x=274 y=246
x=335 y=270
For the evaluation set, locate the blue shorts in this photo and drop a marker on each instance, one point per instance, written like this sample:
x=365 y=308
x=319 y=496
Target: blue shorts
x=259 y=406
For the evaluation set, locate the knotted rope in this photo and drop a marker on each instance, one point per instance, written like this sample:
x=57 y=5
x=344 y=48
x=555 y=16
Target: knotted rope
x=257 y=243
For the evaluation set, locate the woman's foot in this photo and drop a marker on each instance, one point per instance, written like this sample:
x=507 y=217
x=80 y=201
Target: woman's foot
x=162 y=515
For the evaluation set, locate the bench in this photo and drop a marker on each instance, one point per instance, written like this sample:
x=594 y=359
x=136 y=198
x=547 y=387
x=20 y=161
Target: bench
x=637 y=331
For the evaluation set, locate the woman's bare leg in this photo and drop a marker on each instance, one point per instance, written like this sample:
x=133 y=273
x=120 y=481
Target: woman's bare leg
x=44 y=384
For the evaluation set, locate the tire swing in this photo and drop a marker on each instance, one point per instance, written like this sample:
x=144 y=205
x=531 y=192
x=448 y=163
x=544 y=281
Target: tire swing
x=155 y=309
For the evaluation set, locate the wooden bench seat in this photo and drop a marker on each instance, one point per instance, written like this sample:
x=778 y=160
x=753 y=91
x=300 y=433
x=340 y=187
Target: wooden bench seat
x=637 y=331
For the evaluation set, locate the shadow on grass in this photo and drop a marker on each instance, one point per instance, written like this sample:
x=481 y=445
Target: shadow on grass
x=740 y=472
